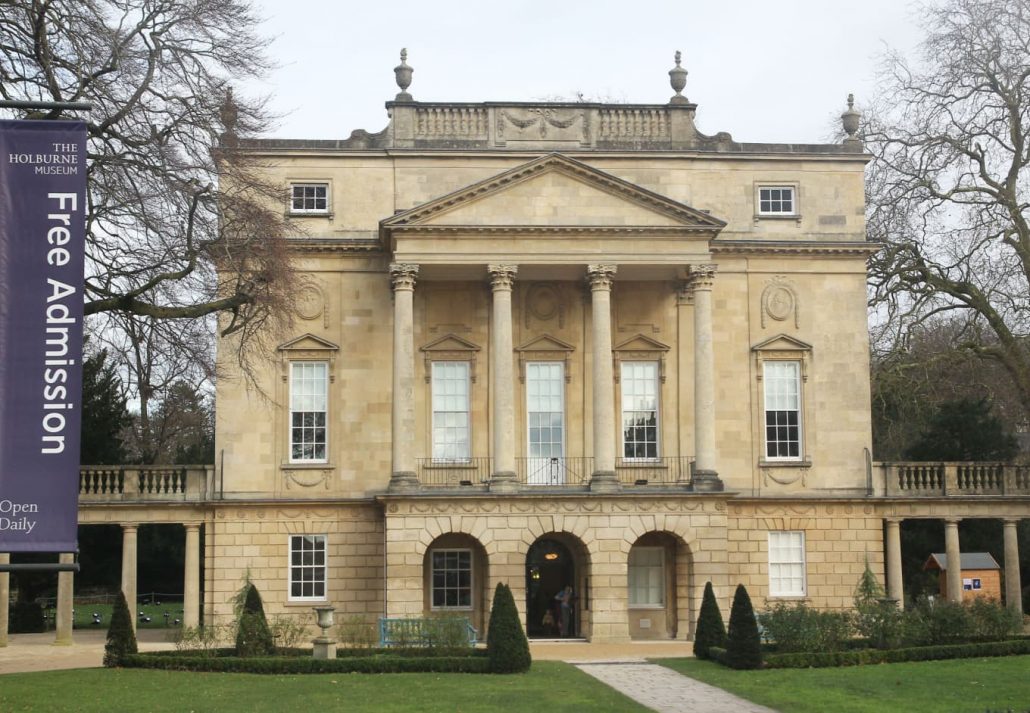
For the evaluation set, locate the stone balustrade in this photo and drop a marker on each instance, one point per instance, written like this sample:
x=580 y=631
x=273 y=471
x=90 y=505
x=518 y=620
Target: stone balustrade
x=184 y=483
x=914 y=479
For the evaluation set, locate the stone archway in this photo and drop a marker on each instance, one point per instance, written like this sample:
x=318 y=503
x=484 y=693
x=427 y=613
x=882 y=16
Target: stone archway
x=456 y=579
x=660 y=587
x=556 y=560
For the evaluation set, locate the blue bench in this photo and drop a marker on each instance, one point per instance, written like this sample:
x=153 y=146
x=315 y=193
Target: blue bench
x=425 y=632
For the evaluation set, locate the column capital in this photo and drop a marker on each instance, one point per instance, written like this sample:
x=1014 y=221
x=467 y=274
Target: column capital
x=700 y=276
x=191 y=525
x=893 y=520
x=600 y=276
x=402 y=275
x=1012 y=521
x=952 y=520
x=502 y=276
x=130 y=526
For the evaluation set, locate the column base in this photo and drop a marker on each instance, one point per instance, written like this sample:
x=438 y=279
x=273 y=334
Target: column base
x=604 y=481
x=323 y=649
x=707 y=481
x=63 y=642
x=505 y=482
x=403 y=480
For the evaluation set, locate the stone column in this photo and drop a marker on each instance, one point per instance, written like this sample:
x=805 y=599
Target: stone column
x=191 y=578
x=706 y=477
x=954 y=553
x=600 y=279
x=1013 y=586
x=129 y=570
x=5 y=598
x=403 y=473
x=895 y=583
x=65 y=602
x=502 y=381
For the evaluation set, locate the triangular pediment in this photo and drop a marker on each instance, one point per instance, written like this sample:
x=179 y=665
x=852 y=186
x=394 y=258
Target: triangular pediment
x=781 y=342
x=552 y=192
x=546 y=343
x=640 y=343
x=450 y=343
x=307 y=342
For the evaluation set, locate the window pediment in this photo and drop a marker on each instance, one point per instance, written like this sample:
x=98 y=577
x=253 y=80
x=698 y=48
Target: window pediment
x=545 y=348
x=640 y=347
x=308 y=347
x=782 y=346
x=450 y=347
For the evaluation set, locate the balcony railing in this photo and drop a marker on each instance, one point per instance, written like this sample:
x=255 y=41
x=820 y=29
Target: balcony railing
x=137 y=483
x=445 y=472
x=654 y=471
x=554 y=471
x=937 y=479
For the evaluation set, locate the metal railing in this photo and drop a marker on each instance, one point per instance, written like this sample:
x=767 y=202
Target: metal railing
x=668 y=470
x=453 y=472
x=554 y=471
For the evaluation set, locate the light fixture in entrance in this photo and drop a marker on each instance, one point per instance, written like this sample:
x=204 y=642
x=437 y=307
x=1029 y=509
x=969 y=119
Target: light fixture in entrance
x=551 y=556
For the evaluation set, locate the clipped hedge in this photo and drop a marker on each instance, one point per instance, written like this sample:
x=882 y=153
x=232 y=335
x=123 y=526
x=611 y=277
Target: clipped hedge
x=306 y=664
x=859 y=657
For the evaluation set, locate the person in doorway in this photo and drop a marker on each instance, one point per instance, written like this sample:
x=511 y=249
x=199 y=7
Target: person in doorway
x=564 y=598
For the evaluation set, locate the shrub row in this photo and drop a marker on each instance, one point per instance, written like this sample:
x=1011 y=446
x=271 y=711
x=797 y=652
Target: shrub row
x=341 y=652
x=294 y=664
x=873 y=656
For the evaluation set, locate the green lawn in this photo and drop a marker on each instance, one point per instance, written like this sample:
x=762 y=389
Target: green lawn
x=550 y=687
x=955 y=686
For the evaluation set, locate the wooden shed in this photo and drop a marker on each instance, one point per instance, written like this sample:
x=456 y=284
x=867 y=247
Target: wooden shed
x=981 y=575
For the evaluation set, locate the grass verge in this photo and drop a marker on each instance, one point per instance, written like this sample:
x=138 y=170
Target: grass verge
x=973 y=685
x=549 y=686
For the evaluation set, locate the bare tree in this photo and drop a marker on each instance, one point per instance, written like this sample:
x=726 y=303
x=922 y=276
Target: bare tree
x=165 y=240
x=949 y=187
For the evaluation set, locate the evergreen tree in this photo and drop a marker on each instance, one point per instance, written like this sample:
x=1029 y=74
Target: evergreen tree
x=121 y=639
x=964 y=430
x=104 y=415
x=743 y=646
x=506 y=642
x=253 y=637
x=710 y=628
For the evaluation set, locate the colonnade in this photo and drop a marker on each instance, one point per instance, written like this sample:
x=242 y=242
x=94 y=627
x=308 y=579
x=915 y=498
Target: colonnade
x=953 y=550
x=65 y=585
x=600 y=278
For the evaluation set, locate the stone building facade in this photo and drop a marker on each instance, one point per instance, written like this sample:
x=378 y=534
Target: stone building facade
x=555 y=344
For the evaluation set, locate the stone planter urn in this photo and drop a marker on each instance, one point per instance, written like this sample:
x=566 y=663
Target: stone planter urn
x=323 y=646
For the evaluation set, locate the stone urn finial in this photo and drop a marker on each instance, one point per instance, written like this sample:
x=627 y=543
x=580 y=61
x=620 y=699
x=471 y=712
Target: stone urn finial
x=678 y=80
x=851 y=120
x=402 y=72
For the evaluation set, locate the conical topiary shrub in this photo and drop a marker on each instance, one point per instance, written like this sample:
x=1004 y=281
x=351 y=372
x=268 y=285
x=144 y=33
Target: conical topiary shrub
x=743 y=646
x=710 y=629
x=253 y=637
x=121 y=639
x=506 y=644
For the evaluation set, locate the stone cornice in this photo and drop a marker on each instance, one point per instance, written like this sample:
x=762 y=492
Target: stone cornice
x=762 y=247
x=333 y=245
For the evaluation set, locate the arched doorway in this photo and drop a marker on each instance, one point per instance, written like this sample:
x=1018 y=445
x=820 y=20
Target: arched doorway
x=659 y=587
x=456 y=579
x=553 y=563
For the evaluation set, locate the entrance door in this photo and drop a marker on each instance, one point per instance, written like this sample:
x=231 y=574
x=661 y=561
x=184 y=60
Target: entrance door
x=549 y=568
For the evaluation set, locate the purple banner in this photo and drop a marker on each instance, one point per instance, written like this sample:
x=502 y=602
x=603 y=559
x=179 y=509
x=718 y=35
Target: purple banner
x=42 y=234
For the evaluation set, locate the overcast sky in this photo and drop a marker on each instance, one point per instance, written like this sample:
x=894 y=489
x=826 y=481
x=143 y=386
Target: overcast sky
x=764 y=70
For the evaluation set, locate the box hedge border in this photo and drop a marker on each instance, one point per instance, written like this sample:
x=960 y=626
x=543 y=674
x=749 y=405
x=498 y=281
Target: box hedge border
x=874 y=656
x=361 y=663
